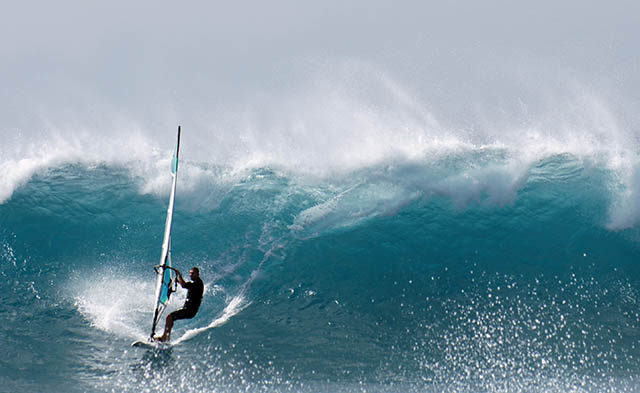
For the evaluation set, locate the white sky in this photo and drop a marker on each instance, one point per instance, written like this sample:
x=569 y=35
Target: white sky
x=154 y=63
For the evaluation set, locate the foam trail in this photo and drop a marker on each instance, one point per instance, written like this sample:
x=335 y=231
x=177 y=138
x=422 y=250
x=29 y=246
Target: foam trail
x=236 y=305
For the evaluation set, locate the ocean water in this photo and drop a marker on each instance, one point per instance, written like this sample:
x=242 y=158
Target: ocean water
x=445 y=266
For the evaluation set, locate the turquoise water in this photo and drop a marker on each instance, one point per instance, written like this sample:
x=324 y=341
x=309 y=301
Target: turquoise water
x=466 y=272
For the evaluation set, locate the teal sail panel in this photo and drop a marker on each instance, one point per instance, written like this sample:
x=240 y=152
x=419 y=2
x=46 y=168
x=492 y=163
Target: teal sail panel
x=166 y=286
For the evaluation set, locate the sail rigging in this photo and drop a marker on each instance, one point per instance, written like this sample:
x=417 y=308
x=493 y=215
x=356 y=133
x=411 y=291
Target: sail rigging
x=165 y=273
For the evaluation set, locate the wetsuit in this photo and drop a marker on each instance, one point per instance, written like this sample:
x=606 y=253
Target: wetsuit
x=195 y=289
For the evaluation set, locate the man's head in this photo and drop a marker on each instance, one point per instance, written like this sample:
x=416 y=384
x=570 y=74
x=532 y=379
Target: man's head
x=194 y=273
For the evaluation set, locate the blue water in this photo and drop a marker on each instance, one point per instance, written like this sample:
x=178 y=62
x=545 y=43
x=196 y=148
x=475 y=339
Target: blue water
x=461 y=273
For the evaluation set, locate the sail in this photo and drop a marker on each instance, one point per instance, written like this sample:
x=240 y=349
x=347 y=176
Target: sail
x=164 y=270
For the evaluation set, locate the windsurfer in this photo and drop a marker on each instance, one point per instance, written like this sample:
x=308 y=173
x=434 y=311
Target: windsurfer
x=195 y=289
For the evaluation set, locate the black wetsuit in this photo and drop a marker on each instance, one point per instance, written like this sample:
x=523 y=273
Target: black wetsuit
x=195 y=289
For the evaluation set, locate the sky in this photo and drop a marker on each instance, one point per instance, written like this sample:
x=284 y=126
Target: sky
x=221 y=68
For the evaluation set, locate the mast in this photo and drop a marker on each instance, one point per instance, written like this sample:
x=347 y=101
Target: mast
x=165 y=275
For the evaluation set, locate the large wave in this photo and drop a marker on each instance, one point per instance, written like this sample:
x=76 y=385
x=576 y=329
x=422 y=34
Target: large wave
x=348 y=123
x=474 y=270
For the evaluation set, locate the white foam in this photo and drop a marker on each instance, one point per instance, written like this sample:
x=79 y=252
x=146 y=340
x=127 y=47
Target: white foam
x=26 y=156
x=115 y=304
x=496 y=184
x=343 y=120
x=234 y=306
x=121 y=304
x=625 y=208
x=352 y=206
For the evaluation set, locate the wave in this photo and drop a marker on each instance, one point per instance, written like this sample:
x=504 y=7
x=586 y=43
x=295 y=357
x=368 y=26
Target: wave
x=350 y=122
x=478 y=270
x=413 y=200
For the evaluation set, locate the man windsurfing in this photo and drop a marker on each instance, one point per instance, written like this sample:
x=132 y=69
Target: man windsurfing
x=195 y=289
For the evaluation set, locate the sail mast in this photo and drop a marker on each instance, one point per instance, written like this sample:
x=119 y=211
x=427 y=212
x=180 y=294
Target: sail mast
x=164 y=269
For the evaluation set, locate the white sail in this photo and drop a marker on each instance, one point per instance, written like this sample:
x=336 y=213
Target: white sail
x=164 y=269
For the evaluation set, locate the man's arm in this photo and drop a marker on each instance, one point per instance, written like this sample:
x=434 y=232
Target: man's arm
x=181 y=280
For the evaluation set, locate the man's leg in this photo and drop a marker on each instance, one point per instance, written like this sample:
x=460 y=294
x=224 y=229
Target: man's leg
x=168 y=325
